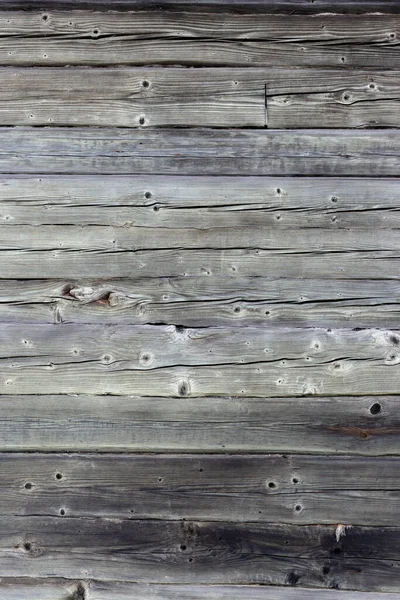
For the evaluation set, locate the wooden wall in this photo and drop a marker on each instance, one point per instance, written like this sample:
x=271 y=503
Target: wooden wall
x=199 y=300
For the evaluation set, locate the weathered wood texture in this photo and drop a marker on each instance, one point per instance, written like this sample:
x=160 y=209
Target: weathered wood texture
x=342 y=425
x=121 y=591
x=53 y=589
x=204 y=301
x=198 y=39
x=208 y=97
x=200 y=152
x=174 y=361
x=201 y=202
x=199 y=553
x=299 y=489
x=257 y=6
x=199 y=300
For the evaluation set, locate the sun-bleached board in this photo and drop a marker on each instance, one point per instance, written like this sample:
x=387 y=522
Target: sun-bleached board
x=143 y=38
x=74 y=150
x=344 y=425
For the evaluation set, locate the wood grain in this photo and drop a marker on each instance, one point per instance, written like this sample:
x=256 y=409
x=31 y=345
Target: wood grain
x=299 y=489
x=197 y=39
x=173 y=361
x=198 y=553
x=348 y=425
x=199 y=152
x=122 y=591
x=128 y=97
x=178 y=202
x=203 y=301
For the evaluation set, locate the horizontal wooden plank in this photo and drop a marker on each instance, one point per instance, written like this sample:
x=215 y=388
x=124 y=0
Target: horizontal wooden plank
x=201 y=202
x=247 y=262
x=132 y=97
x=203 y=301
x=200 y=152
x=51 y=589
x=129 y=97
x=47 y=589
x=198 y=553
x=165 y=37
x=133 y=239
x=218 y=361
x=259 y=6
x=300 y=489
x=348 y=425
x=123 y=591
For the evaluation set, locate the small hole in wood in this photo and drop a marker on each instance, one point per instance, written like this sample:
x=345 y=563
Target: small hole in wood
x=295 y=480
x=141 y=121
x=375 y=409
x=394 y=340
x=298 y=507
x=95 y=32
x=333 y=199
x=342 y=59
x=146 y=83
x=182 y=547
x=278 y=190
x=201 y=470
x=346 y=97
x=27 y=546
x=45 y=18
x=237 y=309
x=160 y=479
x=363 y=435
x=147 y=195
x=28 y=486
x=59 y=476
x=62 y=512
x=190 y=560
x=271 y=485
x=372 y=86
x=156 y=208
x=326 y=570
x=337 y=550
x=392 y=36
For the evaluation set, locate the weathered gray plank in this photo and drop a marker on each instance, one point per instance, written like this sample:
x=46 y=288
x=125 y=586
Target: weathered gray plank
x=300 y=489
x=246 y=361
x=164 y=37
x=149 y=347
x=51 y=589
x=348 y=425
x=48 y=589
x=131 y=97
x=200 y=202
x=285 y=6
x=123 y=591
x=199 y=553
x=203 y=301
x=134 y=239
x=247 y=262
x=200 y=152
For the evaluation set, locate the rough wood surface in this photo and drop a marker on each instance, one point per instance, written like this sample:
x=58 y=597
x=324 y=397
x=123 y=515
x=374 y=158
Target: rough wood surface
x=203 y=301
x=199 y=553
x=174 y=361
x=127 y=97
x=200 y=202
x=258 y=6
x=300 y=489
x=348 y=425
x=123 y=591
x=197 y=39
x=199 y=152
